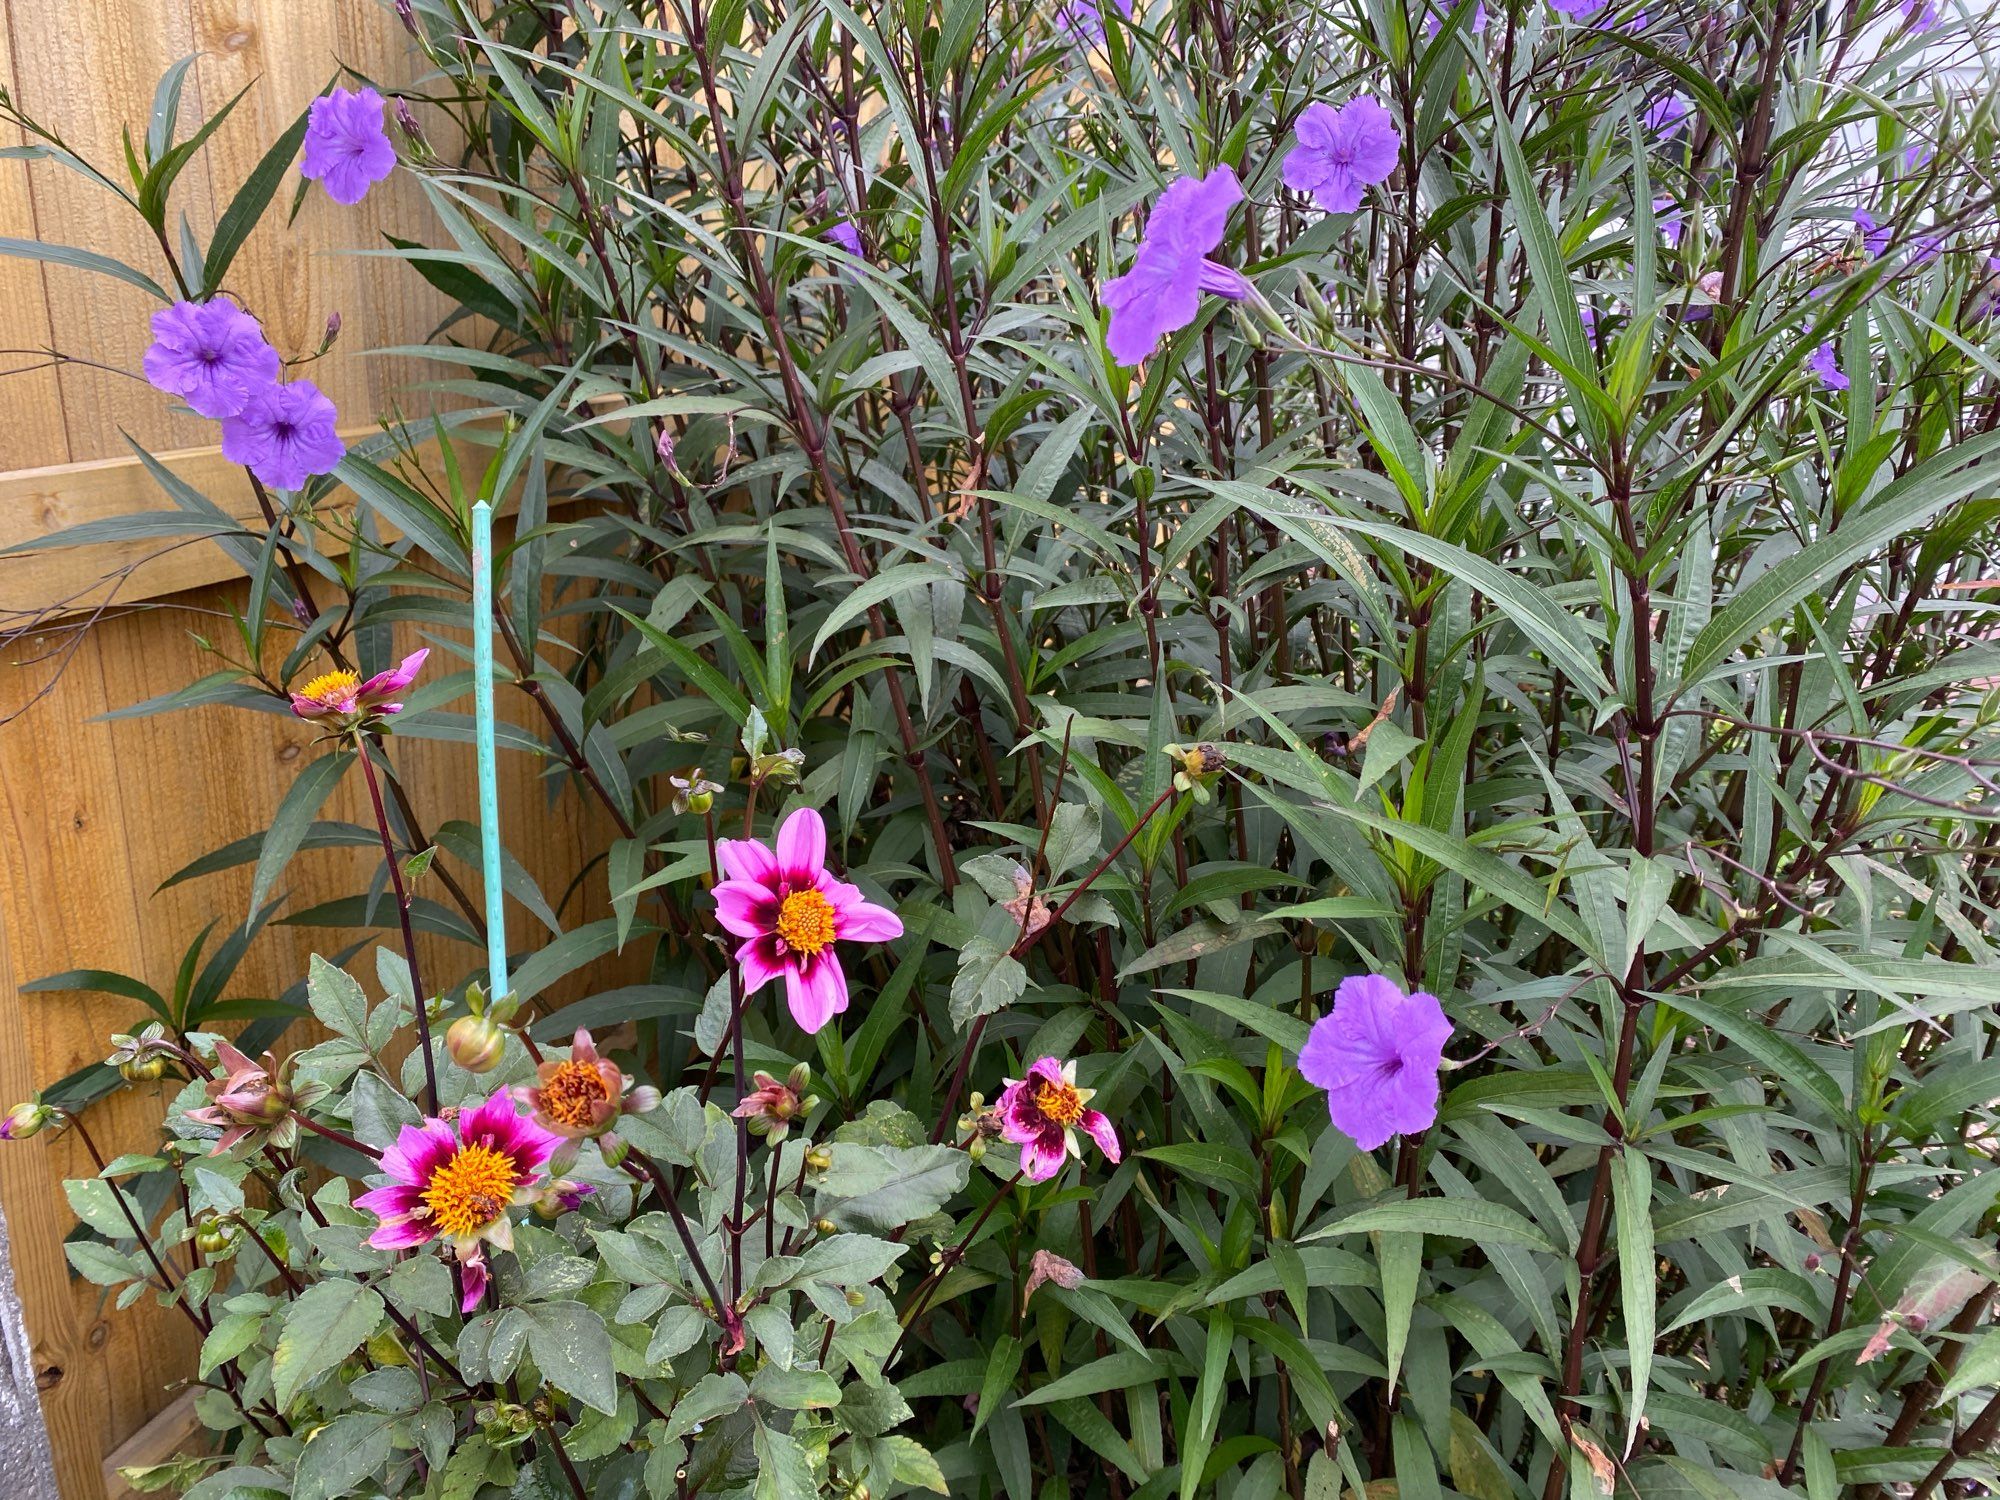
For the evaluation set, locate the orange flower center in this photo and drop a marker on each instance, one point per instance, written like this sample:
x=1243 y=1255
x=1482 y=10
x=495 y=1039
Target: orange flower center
x=573 y=1088
x=805 y=921
x=470 y=1191
x=1058 y=1102
x=331 y=687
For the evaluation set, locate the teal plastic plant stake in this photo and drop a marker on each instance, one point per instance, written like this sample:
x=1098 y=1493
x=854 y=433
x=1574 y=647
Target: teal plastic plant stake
x=489 y=775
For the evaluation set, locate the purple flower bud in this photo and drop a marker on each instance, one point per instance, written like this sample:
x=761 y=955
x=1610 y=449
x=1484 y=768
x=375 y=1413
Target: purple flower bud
x=664 y=445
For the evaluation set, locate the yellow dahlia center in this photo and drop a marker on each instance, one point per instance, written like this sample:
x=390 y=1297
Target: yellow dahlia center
x=470 y=1191
x=331 y=687
x=573 y=1088
x=1059 y=1103
x=805 y=921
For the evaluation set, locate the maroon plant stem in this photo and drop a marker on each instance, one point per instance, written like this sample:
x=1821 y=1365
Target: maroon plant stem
x=946 y=1261
x=563 y=1461
x=1977 y=1437
x=948 y=1113
x=340 y=1137
x=638 y=1163
x=1850 y=1249
x=194 y=1315
x=805 y=423
x=409 y=933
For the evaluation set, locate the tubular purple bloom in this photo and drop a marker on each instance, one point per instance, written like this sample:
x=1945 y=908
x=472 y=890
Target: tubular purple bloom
x=1920 y=15
x=1161 y=293
x=1875 y=236
x=212 y=355
x=284 y=435
x=1600 y=14
x=1668 y=115
x=1823 y=364
x=1084 y=20
x=1342 y=151
x=1042 y=1112
x=347 y=150
x=845 y=235
x=790 y=911
x=1376 y=1053
x=1441 y=10
x=1670 y=218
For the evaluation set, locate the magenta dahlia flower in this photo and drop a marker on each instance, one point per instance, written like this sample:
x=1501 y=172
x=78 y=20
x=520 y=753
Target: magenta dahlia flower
x=457 y=1185
x=1162 y=292
x=285 y=434
x=1042 y=1113
x=212 y=355
x=1376 y=1053
x=347 y=150
x=1341 y=152
x=343 y=695
x=790 y=911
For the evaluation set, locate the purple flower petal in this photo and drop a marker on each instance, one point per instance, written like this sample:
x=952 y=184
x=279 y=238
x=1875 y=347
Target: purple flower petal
x=212 y=355
x=347 y=150
x=1376 y=1053
x=284 y=435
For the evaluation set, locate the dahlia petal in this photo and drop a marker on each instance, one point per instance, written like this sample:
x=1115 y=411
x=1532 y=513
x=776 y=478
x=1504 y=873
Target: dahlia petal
x=419 y=1151
x=382 y=684
x=390 y=1202
x=760 y=963
x=1049 y=1070
x=802 y=847
x=472 y=1273
x=745 y=907
x=862 y=921
x=1043 y=1156
x=402 y=1234
x=816 y=994
x=1097 y=1125
x=748 y=860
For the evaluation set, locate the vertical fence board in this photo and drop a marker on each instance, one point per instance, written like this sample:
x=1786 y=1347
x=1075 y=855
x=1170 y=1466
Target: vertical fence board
x=94 y=815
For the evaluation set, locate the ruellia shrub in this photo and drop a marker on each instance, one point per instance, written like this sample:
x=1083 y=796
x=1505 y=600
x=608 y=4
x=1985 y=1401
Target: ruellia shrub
x=1292 y=705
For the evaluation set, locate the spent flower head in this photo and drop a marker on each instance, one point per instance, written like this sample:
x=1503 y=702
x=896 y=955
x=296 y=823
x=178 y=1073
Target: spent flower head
x=1041 y=1113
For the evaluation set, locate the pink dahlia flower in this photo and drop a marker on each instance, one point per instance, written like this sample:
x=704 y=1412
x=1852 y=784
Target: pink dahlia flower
x=343 y=695
x=1041 y=1114
x=457 y=1185
x=790 y=911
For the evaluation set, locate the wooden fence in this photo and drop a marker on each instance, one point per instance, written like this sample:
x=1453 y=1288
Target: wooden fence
x=95 y=814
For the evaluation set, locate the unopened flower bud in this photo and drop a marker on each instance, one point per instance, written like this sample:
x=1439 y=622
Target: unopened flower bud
x=331 y=333
x=214 y=1236
x=406 y=13
x=819 y=1158
x=143 y=1069
x=612 y=1149
x=856 y=1297
x=825 y=1226
x=476 y=1043
x=24 y=1120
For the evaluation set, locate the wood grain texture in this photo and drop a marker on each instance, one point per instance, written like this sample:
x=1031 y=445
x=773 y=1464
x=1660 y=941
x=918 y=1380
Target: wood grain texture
x=94 y=815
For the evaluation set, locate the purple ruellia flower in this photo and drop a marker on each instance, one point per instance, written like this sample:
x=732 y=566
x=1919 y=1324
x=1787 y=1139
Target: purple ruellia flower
x=844 y=234
x=1920 y=15
x=1442 y=9
x=1162 y=291
x=284 y=435
x=1875 y=236
x=1600 y=13
x=347 y=150
x=1341 y=151
x=210 y=354
x=1376 y=1053
x=1917 y=155
x=1667 y=115
x=1084 y=20
x=1668 y=216
x=1823 y=365
x=1926 y=248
